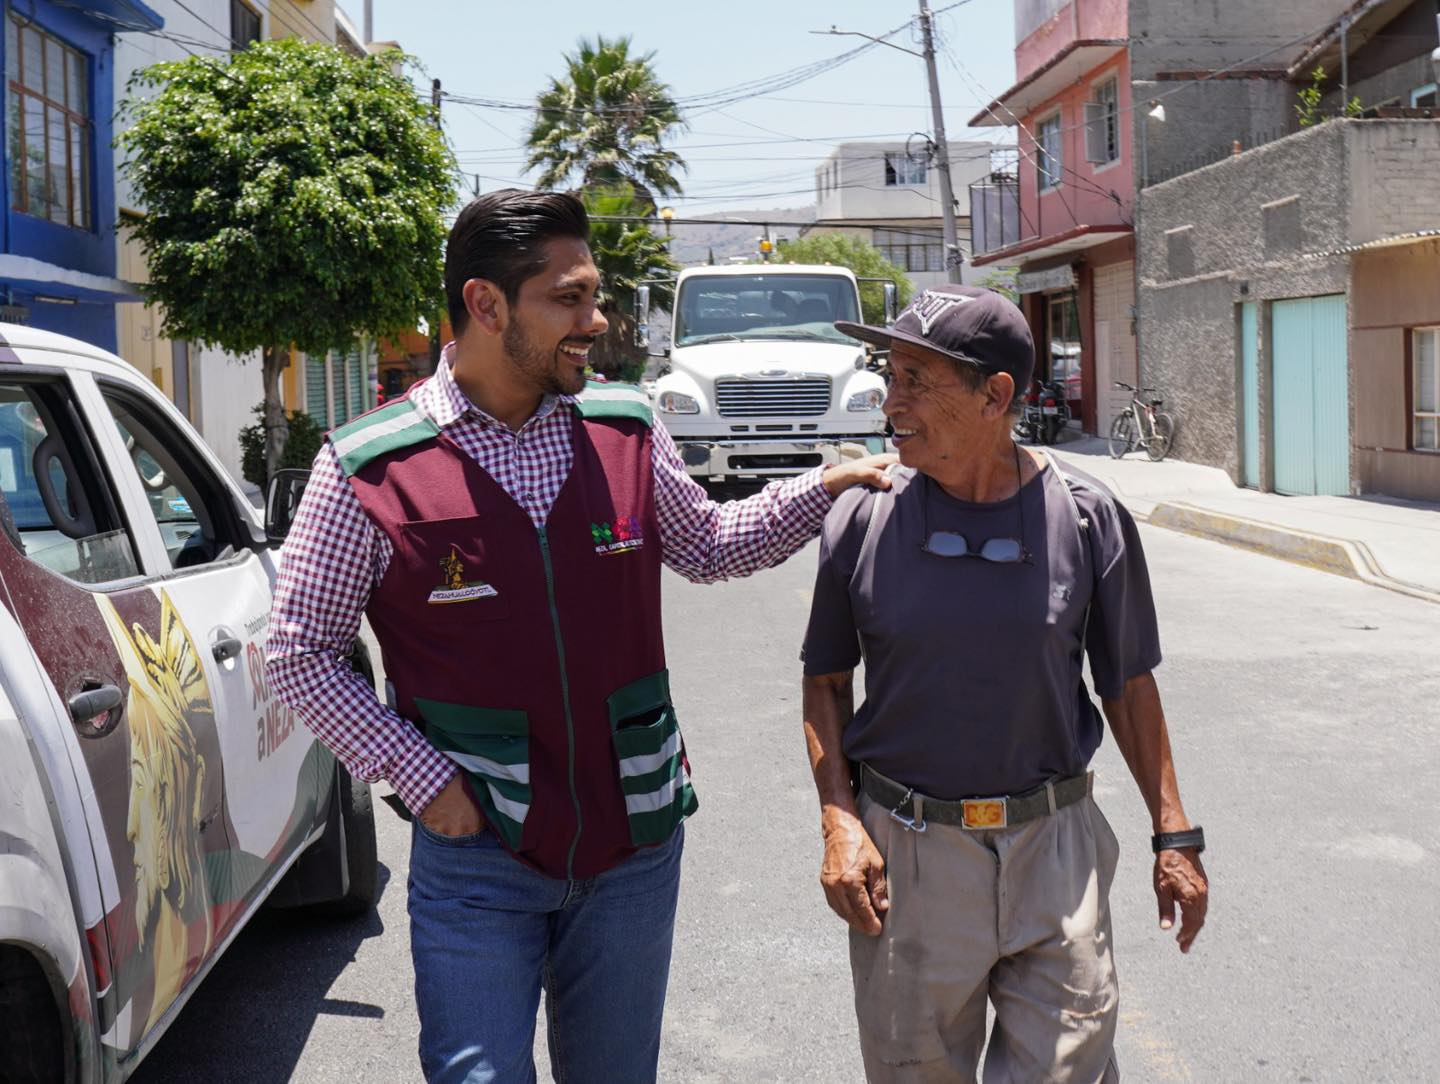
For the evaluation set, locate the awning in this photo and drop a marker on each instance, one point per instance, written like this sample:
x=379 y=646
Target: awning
x=1064 y=69
x=43 y=279
x=116 y=15
x=1057 y=244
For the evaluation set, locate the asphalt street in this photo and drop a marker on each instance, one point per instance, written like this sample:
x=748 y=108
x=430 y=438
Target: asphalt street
x=1303 y=712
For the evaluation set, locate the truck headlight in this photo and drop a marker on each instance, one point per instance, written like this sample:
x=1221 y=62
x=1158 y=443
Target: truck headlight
x=674 y=402
x=869 y=399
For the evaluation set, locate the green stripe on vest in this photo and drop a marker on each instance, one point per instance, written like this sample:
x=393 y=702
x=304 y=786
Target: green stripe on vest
x=615 y=401
x=367 y=438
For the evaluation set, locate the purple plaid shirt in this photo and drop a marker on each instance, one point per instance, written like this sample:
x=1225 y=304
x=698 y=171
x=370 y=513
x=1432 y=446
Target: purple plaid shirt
x=334 y=556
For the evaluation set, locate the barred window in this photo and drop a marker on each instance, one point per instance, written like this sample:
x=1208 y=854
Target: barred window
x=912 y=248
x=244 y=25
x=1049 y=153
x=49 y=125
x=901 y=169
x=1102 y=124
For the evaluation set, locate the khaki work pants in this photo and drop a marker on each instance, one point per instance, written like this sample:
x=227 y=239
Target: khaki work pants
x=1019 y=916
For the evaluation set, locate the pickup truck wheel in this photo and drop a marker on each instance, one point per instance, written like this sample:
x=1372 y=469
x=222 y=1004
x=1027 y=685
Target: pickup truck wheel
x=357 y=817
x=32 y=1045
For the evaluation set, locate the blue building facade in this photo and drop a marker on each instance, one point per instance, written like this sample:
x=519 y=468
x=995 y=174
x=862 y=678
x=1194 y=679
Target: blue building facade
x=57 y=236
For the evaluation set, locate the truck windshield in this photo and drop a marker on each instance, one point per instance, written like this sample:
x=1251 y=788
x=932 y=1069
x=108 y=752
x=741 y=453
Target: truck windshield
x=745 y=307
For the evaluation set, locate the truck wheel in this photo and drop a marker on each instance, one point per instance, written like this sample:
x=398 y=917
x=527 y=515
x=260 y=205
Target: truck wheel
x=357 y=818
x=32 y=1046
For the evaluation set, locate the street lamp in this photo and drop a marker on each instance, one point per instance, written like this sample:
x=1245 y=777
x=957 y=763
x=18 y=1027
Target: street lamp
x=666 y=214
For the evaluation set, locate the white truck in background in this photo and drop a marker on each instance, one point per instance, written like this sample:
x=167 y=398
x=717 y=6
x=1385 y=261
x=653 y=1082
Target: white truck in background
x=757 y=381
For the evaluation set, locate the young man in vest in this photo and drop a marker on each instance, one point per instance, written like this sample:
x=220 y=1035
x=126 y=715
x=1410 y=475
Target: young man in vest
x=504 y=534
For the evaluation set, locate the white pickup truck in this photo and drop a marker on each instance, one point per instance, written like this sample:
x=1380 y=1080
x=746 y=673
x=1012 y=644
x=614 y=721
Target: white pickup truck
x=153 y=792
x=757 y=381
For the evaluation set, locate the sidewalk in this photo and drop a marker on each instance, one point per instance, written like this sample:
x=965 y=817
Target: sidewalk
x=1382 y=540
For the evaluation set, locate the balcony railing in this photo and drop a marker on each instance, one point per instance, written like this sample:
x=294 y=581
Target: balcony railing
x=994 y=213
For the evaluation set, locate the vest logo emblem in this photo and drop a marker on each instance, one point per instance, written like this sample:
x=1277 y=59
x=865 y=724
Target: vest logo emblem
x=454 y=587
x=619 y=537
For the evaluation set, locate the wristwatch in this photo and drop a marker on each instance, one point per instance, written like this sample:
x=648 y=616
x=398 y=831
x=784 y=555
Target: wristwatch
x=1194 y=840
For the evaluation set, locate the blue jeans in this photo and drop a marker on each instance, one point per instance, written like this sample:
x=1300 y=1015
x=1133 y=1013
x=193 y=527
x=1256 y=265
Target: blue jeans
x=486 y=931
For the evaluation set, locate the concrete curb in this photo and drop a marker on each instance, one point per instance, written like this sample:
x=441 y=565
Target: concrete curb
x=1340 y=556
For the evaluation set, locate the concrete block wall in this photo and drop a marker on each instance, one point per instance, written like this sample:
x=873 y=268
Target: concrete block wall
x=1394 y=176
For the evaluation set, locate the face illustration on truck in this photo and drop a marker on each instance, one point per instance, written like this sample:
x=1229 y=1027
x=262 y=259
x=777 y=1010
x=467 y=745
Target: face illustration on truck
x=167 y=785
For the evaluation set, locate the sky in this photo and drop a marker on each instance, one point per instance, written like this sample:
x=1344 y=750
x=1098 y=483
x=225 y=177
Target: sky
x=755 y=154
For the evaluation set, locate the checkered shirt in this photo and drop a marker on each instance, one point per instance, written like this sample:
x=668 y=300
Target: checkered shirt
x=334 y=556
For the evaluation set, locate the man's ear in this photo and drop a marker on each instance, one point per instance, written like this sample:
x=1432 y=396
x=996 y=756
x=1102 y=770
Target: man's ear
x=999 y=391
x=486 y=304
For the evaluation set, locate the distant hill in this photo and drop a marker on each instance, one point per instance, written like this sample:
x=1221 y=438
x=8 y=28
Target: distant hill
x=694 y=244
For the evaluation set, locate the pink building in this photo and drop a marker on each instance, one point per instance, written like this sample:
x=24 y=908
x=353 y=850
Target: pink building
x=1064 y=213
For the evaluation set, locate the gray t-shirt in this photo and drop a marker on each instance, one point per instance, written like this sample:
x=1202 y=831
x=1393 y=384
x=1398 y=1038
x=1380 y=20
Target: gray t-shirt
x=973 y=670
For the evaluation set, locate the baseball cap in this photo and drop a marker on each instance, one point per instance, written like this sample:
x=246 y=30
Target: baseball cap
x=966 y=323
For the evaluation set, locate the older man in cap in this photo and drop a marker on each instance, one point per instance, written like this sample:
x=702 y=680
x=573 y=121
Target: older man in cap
x=962 y=842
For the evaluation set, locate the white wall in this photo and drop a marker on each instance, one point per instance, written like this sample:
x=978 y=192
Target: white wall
x=861 y=192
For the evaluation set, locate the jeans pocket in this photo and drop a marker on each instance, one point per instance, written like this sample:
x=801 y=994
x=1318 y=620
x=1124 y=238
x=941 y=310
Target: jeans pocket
x=650 y=757
x=492 y=745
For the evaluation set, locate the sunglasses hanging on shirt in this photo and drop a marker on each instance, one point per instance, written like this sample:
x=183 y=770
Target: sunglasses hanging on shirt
x=1000 y=551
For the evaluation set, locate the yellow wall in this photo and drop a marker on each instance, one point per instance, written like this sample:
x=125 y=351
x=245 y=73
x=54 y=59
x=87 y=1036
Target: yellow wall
x=312 y=20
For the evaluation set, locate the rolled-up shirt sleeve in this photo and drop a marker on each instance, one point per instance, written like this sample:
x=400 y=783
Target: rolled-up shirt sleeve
x=706 y=541
x=1122 y=637
x=330 y=563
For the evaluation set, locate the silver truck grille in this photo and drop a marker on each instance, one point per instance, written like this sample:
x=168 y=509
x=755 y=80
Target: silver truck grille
x=772 y=398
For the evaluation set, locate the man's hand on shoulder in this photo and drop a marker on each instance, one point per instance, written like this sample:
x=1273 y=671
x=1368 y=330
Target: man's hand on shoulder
x=869 y=471
x=853 y=874
x=452 y=812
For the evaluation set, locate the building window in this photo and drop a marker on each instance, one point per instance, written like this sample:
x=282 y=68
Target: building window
x=1427 y=389
x=1049 y=155
x=912 y=249
x=49 y=125
x=1102 y=124
x=1063 y=365
x=901 y=169
x=244 y=25
x=1422 y=97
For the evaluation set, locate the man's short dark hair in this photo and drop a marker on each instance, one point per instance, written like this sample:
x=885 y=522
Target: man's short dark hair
x=501 y=237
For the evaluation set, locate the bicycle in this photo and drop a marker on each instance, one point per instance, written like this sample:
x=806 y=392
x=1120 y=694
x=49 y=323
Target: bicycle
x=1141 y=424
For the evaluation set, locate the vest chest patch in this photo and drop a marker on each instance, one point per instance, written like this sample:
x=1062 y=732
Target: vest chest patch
x=455 y=587
x=622 y=536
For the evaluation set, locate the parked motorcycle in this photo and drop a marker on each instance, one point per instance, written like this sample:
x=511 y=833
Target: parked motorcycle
x=1044 y=415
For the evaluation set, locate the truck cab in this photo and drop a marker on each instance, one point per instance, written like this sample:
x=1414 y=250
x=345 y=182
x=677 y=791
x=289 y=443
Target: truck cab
x=758 y=382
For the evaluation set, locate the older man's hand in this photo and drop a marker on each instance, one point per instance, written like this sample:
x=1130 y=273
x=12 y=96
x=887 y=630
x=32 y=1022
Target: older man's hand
x=1180 y=879
x=869 y=471
x=853 y=874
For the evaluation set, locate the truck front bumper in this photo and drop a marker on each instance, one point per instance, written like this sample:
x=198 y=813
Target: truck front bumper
x=717 y=459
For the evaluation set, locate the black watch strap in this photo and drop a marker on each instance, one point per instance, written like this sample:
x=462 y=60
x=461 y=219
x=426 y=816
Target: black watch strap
x=1179 y=841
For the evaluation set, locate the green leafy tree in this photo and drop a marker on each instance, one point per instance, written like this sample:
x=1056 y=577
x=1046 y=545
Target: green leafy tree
x=626 y=251
x=604 y=123
x=1308 y=111
x=861 y=257
x=302 y=442
x=294 y=194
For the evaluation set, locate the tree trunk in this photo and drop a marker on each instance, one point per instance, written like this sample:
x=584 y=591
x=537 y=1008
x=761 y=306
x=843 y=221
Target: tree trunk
x=614 y=355
x=274 y=359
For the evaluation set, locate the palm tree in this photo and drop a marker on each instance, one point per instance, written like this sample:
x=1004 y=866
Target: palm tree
x=604 y=124
x=627 y=252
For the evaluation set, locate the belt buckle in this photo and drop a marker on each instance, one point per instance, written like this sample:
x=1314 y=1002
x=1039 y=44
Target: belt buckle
x=982 y=813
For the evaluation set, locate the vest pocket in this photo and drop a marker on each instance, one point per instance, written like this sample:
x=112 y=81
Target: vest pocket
x=651 y=758
x=493 y=746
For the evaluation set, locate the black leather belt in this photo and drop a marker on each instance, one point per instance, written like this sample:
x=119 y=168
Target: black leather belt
x=915 y=810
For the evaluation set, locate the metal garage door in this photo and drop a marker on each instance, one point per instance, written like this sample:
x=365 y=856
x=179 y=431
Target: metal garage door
x=1311 y=409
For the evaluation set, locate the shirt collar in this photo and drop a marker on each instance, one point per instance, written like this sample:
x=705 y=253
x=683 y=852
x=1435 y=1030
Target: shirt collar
x=441 y=398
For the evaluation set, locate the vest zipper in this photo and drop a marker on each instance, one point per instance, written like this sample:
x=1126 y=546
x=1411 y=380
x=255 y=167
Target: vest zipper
x=564 y=695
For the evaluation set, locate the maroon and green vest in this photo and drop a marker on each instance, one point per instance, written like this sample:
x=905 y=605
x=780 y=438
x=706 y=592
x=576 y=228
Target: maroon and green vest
x=533 y=658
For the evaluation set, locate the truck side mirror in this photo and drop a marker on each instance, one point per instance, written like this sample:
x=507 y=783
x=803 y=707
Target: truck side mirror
x=642 y=317
x=892 y=302
x=282 y=497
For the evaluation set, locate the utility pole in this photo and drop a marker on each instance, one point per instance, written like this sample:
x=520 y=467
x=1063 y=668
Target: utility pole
x=953 y=256
x=942 y=151
x=435 y=323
